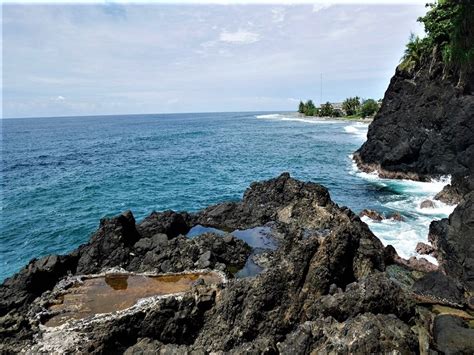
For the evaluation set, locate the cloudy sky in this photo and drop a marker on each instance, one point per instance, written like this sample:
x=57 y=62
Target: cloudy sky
x=67 y=60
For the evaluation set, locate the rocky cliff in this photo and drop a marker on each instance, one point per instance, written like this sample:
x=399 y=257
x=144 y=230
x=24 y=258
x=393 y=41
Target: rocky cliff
x=329 y=286
x=424 y=128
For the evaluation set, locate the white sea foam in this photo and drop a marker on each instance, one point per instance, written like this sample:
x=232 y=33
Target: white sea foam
x=269 y=116
x=358 y=129
x=281 y=117
x=406 y=199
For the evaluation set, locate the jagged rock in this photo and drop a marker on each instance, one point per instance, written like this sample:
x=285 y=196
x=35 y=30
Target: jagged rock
x=438 y=232
x=452 y=335
x=424 y=126
x=376 y=294
x=328 y=271
x=169 y=222
x=371 y=214
x=413 y=263
x=427 y=204
x=37 y=277
x=396 y=217
x=453 y=239
x=452 y=194
x=425 y=249
x=420 y=264
x=365 y=333
x=435 y=287
x=457 y=253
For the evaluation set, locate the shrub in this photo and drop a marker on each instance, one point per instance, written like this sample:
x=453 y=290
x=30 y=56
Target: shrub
x=369 y=107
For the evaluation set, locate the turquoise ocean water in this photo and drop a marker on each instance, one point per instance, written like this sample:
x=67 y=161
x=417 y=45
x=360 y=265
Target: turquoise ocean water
x=59 y=176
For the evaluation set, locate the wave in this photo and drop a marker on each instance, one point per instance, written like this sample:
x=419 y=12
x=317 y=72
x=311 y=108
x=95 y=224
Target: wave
x=280 y=117
x=358 y=129
x=269 y=116
x=405 y=197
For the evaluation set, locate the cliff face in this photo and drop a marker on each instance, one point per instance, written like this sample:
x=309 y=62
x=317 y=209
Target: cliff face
x=425 y=126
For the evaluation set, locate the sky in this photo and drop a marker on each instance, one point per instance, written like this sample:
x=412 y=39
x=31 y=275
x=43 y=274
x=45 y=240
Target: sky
x=114 y=58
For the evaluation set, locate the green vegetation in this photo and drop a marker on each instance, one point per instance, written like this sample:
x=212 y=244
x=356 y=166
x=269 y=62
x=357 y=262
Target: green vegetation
x=351 y=105
x=414 y=52
x=450 y=31
x=368 y=108
x=326 y=110
x=307 y=108
x=351 y=108
x=301 y=107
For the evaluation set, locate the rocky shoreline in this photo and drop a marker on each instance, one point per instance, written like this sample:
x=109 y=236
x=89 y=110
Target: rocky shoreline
x=330 y=285
x=424 y=129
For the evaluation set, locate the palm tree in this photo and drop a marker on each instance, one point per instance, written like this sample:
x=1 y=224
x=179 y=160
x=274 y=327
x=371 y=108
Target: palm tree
x=413 y=53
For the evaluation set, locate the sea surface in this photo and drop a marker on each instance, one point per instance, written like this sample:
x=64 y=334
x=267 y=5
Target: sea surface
x=59 y=176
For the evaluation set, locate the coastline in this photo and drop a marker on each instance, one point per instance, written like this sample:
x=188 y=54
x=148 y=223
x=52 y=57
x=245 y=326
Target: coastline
x=307 y=225
x=367 y=120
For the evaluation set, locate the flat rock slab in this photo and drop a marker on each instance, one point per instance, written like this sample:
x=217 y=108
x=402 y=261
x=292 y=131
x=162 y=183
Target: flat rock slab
x=116 y=292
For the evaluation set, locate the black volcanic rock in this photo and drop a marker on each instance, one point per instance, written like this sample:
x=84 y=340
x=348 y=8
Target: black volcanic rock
x=325 y=288
x=452 y=335
x=424 y=128
x=435 y=287
x=456 y=253
x=327 y=276
x=453 y=240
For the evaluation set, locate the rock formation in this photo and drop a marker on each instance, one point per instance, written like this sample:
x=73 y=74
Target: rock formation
x=424 y=129
x=329 y=286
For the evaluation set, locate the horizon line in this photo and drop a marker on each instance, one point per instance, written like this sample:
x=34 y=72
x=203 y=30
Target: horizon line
x=217 y=2
x=143 y=114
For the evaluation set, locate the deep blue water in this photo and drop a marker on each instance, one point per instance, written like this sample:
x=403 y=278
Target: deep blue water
x=59 y=176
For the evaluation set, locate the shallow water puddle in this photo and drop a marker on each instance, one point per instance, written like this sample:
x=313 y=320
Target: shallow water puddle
x=115 y=292
x=250 y=269
x=258 y=237
x=198 y=229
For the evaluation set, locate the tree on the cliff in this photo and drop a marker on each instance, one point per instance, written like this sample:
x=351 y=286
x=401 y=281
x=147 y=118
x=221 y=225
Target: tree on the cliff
x=301 y=107
x=351 y=105
x=414 y=51
x=326 y=110
x=368 y=108
x=449 y=31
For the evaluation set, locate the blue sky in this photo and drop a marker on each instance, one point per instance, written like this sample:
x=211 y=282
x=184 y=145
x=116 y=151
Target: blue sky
x=67 y=60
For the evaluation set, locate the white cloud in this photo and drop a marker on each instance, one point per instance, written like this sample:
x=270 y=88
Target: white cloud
x=144 y=62
x=321 y=6
x=239 y=37
x=278 y=15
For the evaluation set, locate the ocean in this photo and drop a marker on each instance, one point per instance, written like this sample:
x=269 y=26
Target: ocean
x=60 y=176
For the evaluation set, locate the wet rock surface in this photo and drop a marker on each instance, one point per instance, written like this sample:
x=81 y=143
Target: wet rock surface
x=371 y=214
x=328 y=285
x=427 y=204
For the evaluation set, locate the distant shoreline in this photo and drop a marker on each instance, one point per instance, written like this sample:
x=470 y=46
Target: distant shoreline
x=328 y=118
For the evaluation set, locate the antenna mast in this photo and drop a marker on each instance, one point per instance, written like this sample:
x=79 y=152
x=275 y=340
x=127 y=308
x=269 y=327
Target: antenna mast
x=321 y=91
